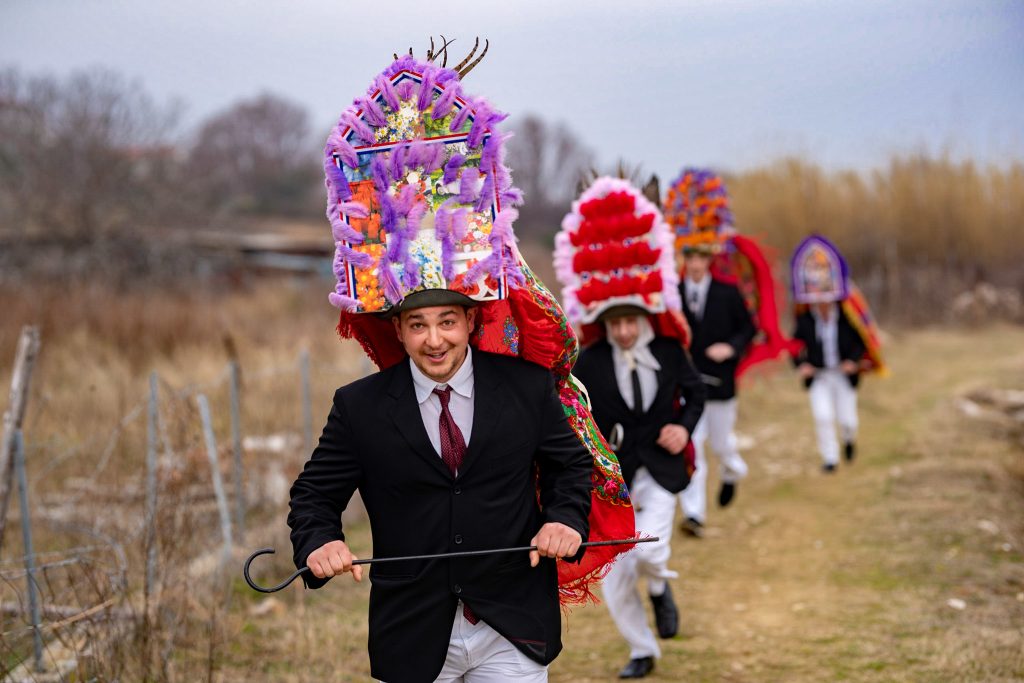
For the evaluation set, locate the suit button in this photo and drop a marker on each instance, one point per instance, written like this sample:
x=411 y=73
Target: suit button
x=458 y=539
x=457 y=588
x=457 y=491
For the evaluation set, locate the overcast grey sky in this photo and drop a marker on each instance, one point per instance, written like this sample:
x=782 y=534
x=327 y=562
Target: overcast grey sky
x=726 y=83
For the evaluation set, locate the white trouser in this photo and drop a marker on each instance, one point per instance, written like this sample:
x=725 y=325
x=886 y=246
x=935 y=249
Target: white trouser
x=833 y=400
x=654 y=508
x=715 y=426
x=479 y=654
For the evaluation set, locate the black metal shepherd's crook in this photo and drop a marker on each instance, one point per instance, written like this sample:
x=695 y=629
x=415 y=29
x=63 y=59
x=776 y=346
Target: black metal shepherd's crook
x=437 y=556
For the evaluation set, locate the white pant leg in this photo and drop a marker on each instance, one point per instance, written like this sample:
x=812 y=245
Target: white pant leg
x=823 y=409
x=493 y=659
x=693 y=499
x=846 y=408
x=479 y=654
x=654 y=508
x=654 y=517
x=457 y=662
x=721 y=435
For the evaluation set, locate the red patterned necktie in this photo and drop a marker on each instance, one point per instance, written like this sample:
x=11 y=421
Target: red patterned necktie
x=453 y=449
x=453 y=445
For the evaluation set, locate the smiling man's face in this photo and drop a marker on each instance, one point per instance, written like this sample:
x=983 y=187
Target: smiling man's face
x=436 y=338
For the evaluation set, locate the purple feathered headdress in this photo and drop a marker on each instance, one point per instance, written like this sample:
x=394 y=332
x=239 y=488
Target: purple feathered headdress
x=418 y=195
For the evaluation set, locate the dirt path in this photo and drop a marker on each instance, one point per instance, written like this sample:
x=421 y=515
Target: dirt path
x=806 y=577
x=847 y=578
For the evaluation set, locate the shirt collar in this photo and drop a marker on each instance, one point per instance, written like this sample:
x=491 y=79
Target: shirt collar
x=461 y=383
x=701 y=286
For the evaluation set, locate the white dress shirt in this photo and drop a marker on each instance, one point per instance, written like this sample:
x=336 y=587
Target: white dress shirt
x=460 y=404
x=697 y=295
x=827 y=331
x=638 y=356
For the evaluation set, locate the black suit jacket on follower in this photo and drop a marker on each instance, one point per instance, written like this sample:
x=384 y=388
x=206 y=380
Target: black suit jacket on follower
x=676 y=379
x=726 y=319
x=851 y=346
x=375 y=442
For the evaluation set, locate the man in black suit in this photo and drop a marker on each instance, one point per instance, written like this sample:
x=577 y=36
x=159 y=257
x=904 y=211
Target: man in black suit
x=722 y=329
x=636 y=382
x=829 y=364
x=440 y=468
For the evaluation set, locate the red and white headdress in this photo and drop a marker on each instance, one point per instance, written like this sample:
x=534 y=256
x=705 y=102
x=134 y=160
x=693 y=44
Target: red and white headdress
x=615 y=250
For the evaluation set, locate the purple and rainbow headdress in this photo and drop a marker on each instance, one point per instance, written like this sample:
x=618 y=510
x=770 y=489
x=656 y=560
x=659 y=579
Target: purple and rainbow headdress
x=819 y=273
x=418 y=194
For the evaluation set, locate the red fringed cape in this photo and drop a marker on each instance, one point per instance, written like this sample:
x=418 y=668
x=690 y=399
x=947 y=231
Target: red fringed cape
x=530 y=324
x=748 y=269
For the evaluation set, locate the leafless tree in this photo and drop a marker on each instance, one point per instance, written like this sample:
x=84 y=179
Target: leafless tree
x=81 y=158
x=256 y=156
x=547 y=161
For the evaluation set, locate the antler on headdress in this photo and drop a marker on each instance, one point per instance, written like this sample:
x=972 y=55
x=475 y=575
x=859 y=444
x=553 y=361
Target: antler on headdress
x=432 y=54
x=465 y=66
x=462 y=67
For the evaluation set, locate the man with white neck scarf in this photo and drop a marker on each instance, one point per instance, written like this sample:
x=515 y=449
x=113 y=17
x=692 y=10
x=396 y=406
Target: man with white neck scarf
x=655 y=435
x=645 y=394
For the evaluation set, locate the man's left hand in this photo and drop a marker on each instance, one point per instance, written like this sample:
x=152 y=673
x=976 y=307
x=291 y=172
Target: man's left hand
x=720 y=352
x=849 y=367
x=673 y=438
x=554 y=540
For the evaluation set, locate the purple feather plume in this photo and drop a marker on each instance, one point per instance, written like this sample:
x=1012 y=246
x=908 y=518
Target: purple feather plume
x=336 y=144
x=451 y=169
x=386 y=277
x=398 y=161
x=379 y=173
x=460 y=224
x=486 y=193
x=383 y=83
x=460 y=118
x=388 y=219
x=355 y=210
x=489 y=155
x=467 y=185
x=358 y=126
x=433 y=155
x=481 y=119
x=445 y=100
x=372 y=112
x=426 y=89
x=405 y=89
x=336 y=178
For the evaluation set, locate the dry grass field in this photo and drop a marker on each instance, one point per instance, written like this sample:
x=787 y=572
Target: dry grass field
x=805 y=578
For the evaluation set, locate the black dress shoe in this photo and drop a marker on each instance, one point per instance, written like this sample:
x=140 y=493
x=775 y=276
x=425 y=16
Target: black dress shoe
x=666 y=615
x=637 y=668
x=828 y=468
x=850 y=451
x=693 y=527
x=726 y=494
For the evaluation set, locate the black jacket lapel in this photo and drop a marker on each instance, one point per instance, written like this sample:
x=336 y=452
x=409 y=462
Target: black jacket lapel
x=486 y=399
x=405 y=413
x=608 y=370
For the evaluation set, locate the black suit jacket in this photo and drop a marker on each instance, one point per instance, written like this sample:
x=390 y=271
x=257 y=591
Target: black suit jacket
x=375 y=442
x=851 y=346
x=676 y=379
x=726 y=319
